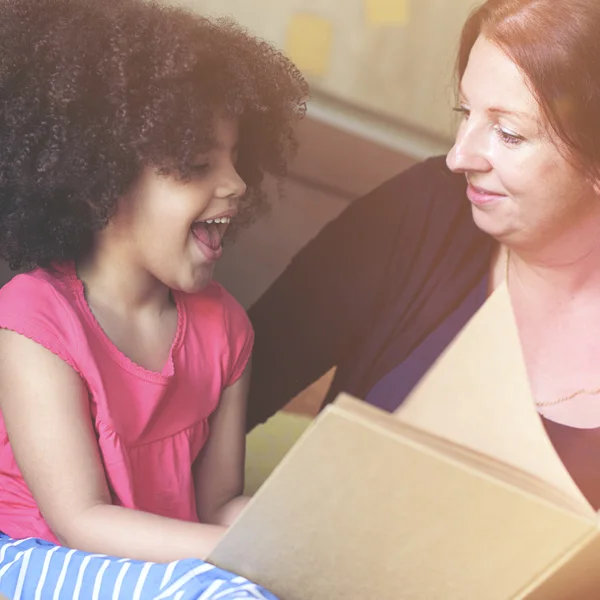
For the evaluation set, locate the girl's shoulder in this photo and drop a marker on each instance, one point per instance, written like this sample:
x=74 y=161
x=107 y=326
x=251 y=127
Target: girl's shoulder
x=217 y=320
x=41 y=290
x=214 y=303
x=41 y=305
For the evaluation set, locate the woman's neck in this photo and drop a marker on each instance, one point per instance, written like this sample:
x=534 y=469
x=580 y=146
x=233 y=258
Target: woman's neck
x=560 y=272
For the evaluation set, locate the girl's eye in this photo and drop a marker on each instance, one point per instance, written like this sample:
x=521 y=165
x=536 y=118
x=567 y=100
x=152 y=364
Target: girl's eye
x=463 y=110
x=507 y=137
x=199 y=169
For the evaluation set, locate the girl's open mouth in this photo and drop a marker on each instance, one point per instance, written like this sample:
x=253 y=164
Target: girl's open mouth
x=209 y=233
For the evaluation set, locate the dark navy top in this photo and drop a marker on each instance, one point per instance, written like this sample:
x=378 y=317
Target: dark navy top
x=365 y=293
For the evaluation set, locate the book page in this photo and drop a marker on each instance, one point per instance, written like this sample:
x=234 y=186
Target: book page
x=356 y=510
x=480 y=464
x=477 y=395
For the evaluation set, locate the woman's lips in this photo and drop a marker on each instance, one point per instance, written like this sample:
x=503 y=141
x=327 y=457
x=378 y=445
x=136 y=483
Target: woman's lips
x=482 y=197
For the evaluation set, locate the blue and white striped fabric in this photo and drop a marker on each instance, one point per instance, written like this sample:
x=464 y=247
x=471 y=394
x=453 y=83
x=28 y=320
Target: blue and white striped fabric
x=33 y=569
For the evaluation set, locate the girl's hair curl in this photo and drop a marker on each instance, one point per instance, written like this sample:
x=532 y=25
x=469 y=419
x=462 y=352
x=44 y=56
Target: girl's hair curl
x=93 y=91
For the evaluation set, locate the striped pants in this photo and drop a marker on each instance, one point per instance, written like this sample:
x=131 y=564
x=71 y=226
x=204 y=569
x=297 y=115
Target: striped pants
x=33 y=569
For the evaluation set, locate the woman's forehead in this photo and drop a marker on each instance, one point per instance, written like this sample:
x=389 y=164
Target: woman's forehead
x=493 y=82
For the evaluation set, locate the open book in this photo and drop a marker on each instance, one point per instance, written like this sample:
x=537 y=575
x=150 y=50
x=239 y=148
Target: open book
x=459 y=495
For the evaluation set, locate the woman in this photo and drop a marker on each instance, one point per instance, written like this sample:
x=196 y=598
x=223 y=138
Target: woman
x=381 y=291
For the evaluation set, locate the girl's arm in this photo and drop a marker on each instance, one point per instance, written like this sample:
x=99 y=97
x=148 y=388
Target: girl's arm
x=219 y=469
x=46 y=411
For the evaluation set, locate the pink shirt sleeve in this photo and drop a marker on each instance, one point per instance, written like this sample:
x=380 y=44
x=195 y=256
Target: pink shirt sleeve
x=31 y=306
x=240 y=336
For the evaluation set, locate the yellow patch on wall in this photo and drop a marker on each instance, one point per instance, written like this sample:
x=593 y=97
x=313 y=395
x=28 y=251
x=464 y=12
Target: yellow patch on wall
x=309 y=41
x=387 y=12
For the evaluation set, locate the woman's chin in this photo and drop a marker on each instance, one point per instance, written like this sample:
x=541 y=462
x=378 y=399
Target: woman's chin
x=492 y=224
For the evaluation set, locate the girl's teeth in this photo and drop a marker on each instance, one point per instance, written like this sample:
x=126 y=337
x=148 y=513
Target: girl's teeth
x=220 y=220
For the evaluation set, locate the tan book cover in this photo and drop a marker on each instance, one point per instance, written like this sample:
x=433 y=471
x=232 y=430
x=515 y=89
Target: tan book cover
x=459 y=495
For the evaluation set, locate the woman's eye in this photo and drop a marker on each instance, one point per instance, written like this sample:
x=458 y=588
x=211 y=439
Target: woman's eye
x=463 y=110
x=507 y=137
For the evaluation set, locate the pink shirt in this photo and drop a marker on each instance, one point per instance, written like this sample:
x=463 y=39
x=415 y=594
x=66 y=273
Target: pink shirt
x=150 y=426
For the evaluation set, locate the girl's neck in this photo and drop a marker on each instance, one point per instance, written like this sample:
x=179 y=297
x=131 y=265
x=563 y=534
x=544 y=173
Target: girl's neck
x=123 y=286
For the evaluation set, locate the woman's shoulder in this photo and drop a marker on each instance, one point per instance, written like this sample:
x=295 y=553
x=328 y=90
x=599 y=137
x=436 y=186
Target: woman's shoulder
x=431 y=212
x=426 y=198
x=426 y=185
x=431 y=171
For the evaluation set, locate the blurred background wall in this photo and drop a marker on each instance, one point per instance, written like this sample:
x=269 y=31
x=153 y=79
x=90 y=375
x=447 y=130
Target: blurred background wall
x=379 y=62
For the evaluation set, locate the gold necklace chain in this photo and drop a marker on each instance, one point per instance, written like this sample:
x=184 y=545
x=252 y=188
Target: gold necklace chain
x=580 y=392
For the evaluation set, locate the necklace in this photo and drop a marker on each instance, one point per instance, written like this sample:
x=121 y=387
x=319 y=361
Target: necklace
x=580 y=392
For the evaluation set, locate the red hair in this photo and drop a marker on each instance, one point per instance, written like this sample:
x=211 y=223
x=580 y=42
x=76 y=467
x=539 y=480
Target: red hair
x=556 y=45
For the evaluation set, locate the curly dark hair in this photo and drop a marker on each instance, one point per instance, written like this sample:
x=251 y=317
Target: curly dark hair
x=93 y=91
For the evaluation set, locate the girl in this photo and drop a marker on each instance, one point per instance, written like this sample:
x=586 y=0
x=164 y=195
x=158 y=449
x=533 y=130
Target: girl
x=131 y=136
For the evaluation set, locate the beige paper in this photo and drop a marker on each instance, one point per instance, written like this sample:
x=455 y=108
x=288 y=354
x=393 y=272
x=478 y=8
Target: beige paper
x=367 y=508
x=477 y=394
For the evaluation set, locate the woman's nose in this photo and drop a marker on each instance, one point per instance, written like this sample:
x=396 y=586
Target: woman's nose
x=470 y=152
